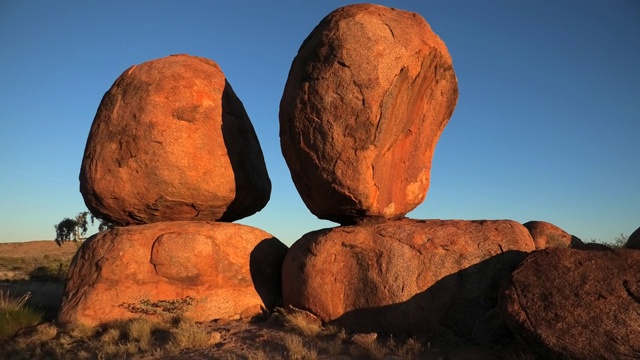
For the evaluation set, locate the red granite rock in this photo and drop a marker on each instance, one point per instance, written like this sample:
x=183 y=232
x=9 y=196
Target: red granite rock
x=229 y=270
x=171 y=141
x=404 y=276
x=576 y=304
x=368 y=95
x=547 y=235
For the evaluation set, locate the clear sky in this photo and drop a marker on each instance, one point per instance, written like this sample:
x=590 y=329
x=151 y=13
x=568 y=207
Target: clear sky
x=547 y=125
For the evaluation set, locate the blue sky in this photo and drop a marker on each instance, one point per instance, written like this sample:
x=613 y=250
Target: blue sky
x=547 y=125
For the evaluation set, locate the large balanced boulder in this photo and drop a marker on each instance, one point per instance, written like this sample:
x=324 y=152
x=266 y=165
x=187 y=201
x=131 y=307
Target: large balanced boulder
x=368 y=95
x=405 y=276
x=576 y=304
x=211 y=270
x=171 y=141
x=546 y=235
x=633 y=242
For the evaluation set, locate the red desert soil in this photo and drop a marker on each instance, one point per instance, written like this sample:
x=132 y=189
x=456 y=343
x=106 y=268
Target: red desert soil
x=38 y=249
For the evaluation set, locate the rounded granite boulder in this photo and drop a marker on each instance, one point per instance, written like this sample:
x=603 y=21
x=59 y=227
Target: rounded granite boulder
x=171 y=141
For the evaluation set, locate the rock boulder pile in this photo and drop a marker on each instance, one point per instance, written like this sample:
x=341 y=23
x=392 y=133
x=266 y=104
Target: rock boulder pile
x=173 y=159
x=367 y=98
x=171 y=150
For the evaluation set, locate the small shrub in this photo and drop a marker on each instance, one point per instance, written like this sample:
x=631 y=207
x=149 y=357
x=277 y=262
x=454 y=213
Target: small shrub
x=619 y=241
x=300 y=322
x=55 y=271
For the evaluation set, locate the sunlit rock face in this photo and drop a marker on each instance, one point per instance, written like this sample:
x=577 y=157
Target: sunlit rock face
x=546 y=235
x=368 y=95
x=405 y=276
x=215 y=270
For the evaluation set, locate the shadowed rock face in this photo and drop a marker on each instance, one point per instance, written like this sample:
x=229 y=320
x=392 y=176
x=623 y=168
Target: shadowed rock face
x=576 y=304
x=634 y=240
x=171 y=141
x=406 y=276
x=229 y=270
x=368 y=95
x=546 y=235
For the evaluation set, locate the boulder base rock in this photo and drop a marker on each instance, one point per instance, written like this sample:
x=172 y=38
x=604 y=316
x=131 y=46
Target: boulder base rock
x=171 y=141
x=227 y=270
x=405 y=276
x=368 y=95
x=546 y=235
x=576 y=304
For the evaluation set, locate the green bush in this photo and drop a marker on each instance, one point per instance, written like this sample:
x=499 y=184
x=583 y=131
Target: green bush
x=54 y=271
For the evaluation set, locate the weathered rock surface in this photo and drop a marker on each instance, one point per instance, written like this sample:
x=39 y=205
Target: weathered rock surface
x=171 y=141
x=229 y=270
x=368 y=95
x=546 y=235
x=633 y=242
x=576 y=304
x=416 y=276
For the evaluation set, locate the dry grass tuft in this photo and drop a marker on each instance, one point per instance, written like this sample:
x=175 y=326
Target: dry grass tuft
x=10 y=303
x=298 y=350
x=301 y=322
x=411 y=349
x=120 y=339
x=15 y=315
x=371 y=351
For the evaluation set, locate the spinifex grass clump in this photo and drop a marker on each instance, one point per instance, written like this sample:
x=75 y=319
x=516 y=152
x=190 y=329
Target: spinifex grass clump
x=15 y=315
x=119 y=339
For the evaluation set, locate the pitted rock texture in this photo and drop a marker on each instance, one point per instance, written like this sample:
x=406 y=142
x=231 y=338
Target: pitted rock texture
x=405 y=276
x=229 y=270
x=171 y=141
x=576 y=304
x=633 y=242
x=546 y=235
x=368 y=95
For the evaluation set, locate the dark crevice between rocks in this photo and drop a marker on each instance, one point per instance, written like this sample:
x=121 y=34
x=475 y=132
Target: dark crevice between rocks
x=630 y=292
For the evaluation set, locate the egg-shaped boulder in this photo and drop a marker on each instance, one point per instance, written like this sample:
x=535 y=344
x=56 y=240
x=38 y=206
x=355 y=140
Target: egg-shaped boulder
x=171 y=141
x=368 y=95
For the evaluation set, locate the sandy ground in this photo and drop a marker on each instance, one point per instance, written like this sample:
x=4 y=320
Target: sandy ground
x=37 y=249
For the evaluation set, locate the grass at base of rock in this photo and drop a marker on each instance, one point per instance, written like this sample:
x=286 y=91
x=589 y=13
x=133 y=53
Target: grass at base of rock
x=14 y=315
x=120 y=339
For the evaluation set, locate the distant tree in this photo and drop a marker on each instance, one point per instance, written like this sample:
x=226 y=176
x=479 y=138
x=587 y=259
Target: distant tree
x=102 y=224
x=75 y=229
